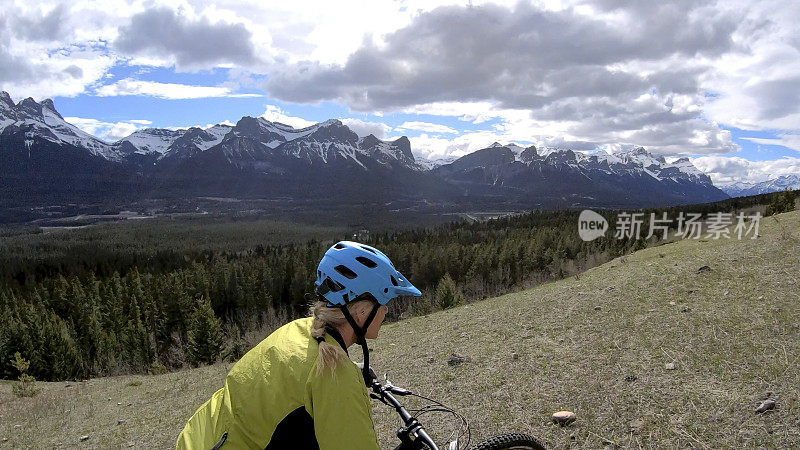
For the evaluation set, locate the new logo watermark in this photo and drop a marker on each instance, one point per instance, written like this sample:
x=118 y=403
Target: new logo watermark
x=592 y=225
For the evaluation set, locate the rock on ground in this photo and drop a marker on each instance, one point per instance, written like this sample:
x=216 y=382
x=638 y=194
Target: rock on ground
x=564 y=418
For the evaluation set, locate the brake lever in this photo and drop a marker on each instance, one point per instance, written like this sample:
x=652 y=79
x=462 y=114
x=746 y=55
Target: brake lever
x=392 y=388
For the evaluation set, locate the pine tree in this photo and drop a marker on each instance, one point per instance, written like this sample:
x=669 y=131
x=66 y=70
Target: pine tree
x=448 y=294
x=236 y=346
x=205 y=335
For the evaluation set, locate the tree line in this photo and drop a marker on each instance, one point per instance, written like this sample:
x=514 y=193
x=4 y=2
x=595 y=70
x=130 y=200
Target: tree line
x=163 y=316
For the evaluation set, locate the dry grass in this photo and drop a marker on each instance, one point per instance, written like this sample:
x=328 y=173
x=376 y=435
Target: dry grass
x=732 y=333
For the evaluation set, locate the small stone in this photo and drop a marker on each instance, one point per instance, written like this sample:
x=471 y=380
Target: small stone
x=120 y=422
x=702 y=269
x=765 y=406
x=119 y=403
x=515 y=356
x=109 y=398
x=17 y=426
x=631 y=378
x=563 y=418
x=726 y=293
x=597 y=308
x=84 y=437
x=669 y=366
x=761 y=297
x=4 y=440
x=672 y=303
x=686 y=309
x=456 y=359
x=431 y=360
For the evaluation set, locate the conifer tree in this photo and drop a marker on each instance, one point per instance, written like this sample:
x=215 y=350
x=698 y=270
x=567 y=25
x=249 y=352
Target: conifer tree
x=448 y=294
x=205 y=335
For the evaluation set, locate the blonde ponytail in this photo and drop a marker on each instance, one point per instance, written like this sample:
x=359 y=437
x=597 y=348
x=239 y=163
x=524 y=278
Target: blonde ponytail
x=326 y=317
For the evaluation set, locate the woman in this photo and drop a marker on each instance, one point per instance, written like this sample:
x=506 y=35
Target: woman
x=298 y=389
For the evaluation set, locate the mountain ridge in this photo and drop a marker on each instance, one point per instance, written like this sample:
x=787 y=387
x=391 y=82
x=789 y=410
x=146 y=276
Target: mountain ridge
x=256 y=157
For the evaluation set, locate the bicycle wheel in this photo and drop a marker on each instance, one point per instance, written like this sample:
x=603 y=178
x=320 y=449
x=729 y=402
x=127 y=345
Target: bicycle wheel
x=510 y=441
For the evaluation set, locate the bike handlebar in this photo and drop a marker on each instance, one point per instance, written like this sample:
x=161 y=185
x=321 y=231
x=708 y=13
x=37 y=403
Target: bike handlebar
x=412 y=435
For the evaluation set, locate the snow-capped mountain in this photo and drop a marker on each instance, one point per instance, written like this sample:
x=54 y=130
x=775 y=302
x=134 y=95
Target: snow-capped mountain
x=632 y=177
x=743 y=189
x=430 y=164
x=43 y=121
x=254 y=141
x=160 y=142
x=46 y=159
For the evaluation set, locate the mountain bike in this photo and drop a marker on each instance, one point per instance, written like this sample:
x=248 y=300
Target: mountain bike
x=413 y=436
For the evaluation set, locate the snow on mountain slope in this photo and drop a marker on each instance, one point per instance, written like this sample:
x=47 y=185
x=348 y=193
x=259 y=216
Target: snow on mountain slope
x=429 y=164
x=743 y=189
x=152 y=140
x=284 y=132
x=217 y=132
x=42 y=119
x=634 y=161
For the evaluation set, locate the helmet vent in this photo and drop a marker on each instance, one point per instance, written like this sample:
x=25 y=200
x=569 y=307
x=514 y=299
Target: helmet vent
x=332 y=285
x=339 y=246
x=367 y=262
x=368 y=249
x=345 y=271
x=394 y=281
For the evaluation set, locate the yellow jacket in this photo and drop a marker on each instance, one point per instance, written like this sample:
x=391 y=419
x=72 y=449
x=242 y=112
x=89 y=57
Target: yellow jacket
x=274 y=399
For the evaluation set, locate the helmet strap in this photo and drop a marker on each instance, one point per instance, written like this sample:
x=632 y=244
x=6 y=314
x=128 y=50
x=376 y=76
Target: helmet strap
x=361 y=336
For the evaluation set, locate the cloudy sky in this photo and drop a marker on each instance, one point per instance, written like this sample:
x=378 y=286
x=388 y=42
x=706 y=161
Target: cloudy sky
x=719 y=82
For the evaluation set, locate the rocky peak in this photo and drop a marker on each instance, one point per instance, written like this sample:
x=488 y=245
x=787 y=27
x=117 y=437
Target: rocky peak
x=5 y=100
x=48 y=104
x=248 y=125
x=30 y=107
x=370 y=141
x=404 y=145
x=334 y=130
x=529 y=154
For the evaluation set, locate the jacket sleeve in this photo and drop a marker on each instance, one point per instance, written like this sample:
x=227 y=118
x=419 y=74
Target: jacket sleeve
x=341 y=409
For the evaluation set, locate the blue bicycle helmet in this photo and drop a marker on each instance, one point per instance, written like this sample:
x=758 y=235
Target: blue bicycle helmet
x=349 y=269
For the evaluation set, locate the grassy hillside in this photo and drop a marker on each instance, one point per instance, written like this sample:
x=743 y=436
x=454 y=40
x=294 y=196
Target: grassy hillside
x=596 y=345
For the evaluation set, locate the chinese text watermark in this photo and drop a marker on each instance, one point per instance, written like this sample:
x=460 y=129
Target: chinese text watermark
x=592 y=225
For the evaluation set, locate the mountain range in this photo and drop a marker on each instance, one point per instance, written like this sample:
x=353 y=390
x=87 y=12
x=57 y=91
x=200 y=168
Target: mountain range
x=47 y=160
x=743 y=189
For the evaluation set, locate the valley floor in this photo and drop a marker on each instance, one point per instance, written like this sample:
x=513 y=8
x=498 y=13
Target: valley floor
x=599 y=345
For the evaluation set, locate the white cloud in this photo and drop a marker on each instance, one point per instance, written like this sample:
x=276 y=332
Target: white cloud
x=669 y=88
x=427 y=127
x=787 y=140
x=108 y=131
x=275 y=114
x=726 y=170
x=169 y=91
x=363 y=128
